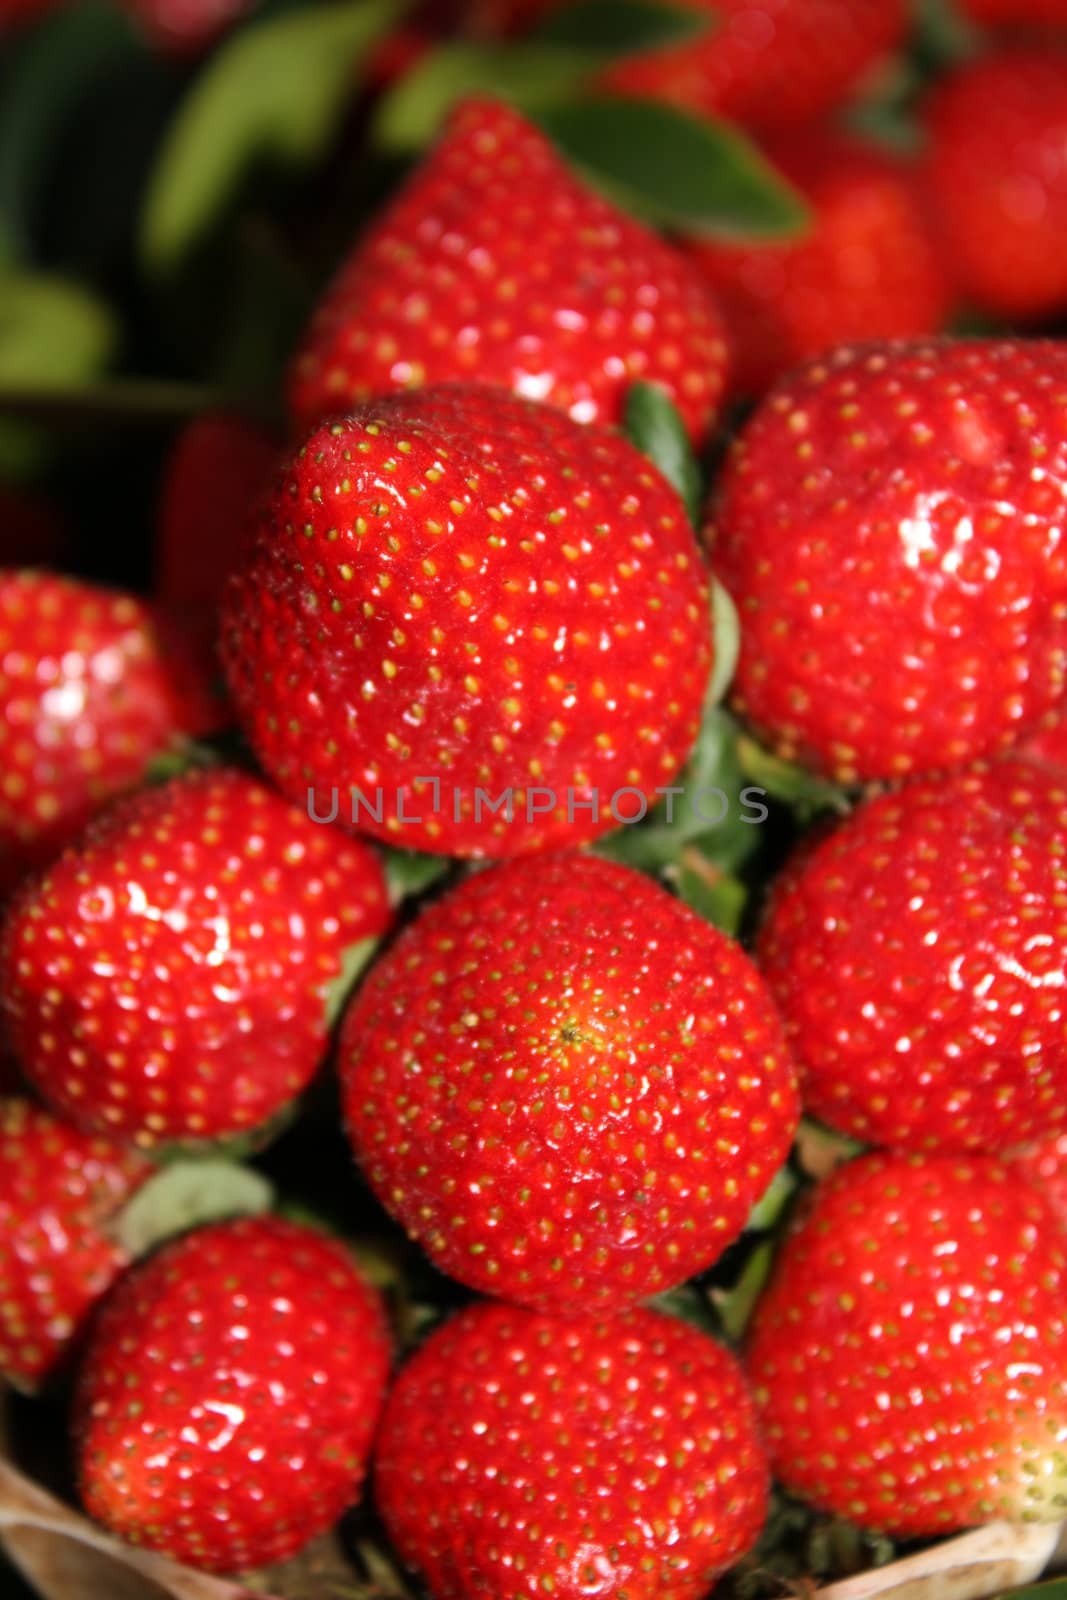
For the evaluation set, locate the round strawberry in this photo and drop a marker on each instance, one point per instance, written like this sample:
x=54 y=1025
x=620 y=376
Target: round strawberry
x=543 y=287
x=522 y=1455
x=867 y=268
x=59 y=1191
x=1044 y=1164
x=909 y=1355
x=997 y=175
x=566 y=1085
x=229 y=1394
x=916 y=956
x=889 y=527
x=92 y=690
x=167 y=979
x=767 y=62
x=459 y=600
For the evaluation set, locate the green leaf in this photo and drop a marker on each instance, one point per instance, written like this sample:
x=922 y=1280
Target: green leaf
x=694 y=174
x=653 y=424
x=275 y=91
x=53 y=66
x=622 y=27
x=188 y=1194
x=726 y=632
x=54 y=336
x=770 y=1208
x=353 y=962
x=715 y=895
x=806 y=792
x=409 y=872
x=817 y=1149
x=1055 y=1589
x=736 y=1305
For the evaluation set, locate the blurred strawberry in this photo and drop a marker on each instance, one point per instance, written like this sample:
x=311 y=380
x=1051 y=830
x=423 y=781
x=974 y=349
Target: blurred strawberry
x=997 y=178
x=1010 y=13
x=187 y=27
x=867 y=268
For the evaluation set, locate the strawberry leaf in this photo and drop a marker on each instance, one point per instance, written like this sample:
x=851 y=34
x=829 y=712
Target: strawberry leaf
x=726 y=632
x=188 y=1194
x=409 y=872
x=695 y=174
x=275 y=91
x=655 y=427
x=805 y=792
x=353 y=961
x=624 y=26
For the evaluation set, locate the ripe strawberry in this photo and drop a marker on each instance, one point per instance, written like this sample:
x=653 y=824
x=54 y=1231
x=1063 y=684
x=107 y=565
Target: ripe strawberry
x=866 y=269
x=567 y=1086
x=93 y=688
x=523 y=1454
x=1044 y=1164
x=59 y=1189
x=909 y=1356
x=1009 y=13
x=997 y=177
x=217 y=471
x=462 y=589
x=187 y=27
x=540 y=285
x=1048 y=746
x=167 y=978
x=890 y=529
x=229 y=1394
x=916 y=956
x=767 y=62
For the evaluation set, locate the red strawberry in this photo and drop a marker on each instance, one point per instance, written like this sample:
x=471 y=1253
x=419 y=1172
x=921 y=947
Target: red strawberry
x=1048 y=746
x=1027 y=13
x=90 y=693
x=230 y=1393
x=59 y=1189
x=187 y=27
x=767 y=62
x=567 y=1086
x=32 y=534
x=890 y=527
x=167 y=978
x=217 y=471
x=495 y=263
x=997 y=175
x=867 y=269
x=909 y=1355
x=458 y=587
x=1044 y=1164
x=917 y=956
x=525 y=1455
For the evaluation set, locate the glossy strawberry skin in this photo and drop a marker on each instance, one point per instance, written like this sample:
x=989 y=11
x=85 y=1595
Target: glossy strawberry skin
x=909 y=1355
x=463 y=588
x=521 y=1454
x=93 y=688
x=997 y=179
x=59 y=1191
x=567 y=1086
x=1044 y=1164
x=767 y=62
x=541 y=286
x=244 y=1364
x=916 y=958
x=889 y=528
x=167 y=978
x=866 y=268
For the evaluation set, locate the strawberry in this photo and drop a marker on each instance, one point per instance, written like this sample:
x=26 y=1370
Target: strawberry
x=93 y=689
x=59 y=1190
x=523 y=1455
x=186 y=27
x=540 y=285
x=889 y=527
x=167 y=978
x=218 y=469
x=458 y=597
x=229 y=1394
x=909 y=1355
x=767 y=62
x=1044 y=1164
x=866 y=269
x=997 y=177
x=916 y=956
x=567 y=1086
x=1048 y=746
x=1012 y=13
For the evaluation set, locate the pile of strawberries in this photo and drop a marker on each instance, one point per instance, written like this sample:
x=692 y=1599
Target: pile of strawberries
x=402 y=773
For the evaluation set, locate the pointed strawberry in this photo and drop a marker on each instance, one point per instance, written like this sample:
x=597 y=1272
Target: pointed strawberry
x=167 y=979
x=459 y=600
x=567 y=1086
x=890 y=529
x=525 y=1455
x=909 y=1355
x=916 y=956
x=59 y=1191
x=93 y=689
x=243 y=1367
x=540 y=286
